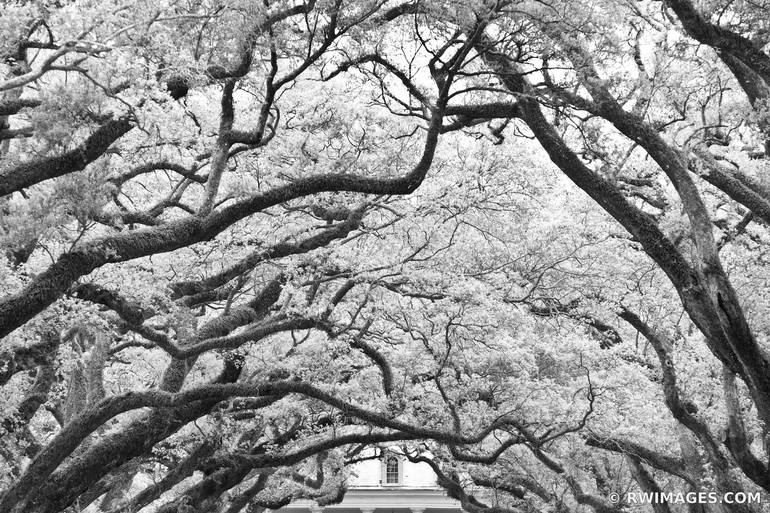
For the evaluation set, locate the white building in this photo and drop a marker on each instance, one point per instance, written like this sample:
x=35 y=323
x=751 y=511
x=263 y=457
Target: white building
x=390 y=484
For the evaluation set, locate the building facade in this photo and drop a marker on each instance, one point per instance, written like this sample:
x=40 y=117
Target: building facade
x=389 y=484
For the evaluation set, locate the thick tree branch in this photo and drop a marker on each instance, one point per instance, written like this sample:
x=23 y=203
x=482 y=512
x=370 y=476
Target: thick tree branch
x=735 y=184
x=669 y=464
x=131 y=311
x=27 y=358
x=721 y=39
x=71 y=435
x=36 y=171
x=48 y=488
x=177 y=474
x=647 y=483
x=684 y=412
x=48 y=286
x=13 y=106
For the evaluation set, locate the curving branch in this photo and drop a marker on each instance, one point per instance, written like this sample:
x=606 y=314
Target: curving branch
x=196 y=402
x=704 y=288
x=48 y=63
x=451 y=483
x=280 y=250
x=376 y=356
x=685 y=412
x=16 y=309
x=33 y=399
x=669 y=464
x=736 y=185
x=35 y=171
x=735 y=436
x=647 y=483
x=49 y=486
x=177 y=474
x=131 y=311
x=517 y=486
x=721 y=39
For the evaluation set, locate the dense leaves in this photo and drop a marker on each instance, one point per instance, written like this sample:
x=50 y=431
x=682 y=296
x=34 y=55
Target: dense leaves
x=243 y=243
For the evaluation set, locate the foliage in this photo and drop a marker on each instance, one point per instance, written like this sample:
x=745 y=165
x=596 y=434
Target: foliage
x=243 y=243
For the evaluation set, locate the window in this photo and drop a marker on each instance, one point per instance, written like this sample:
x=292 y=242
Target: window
x=392 y=470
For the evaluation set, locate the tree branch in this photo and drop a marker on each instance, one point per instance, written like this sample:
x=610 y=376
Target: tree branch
x=36 y=171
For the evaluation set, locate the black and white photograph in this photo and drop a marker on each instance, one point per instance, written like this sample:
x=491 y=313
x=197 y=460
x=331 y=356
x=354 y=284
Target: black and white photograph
x=384 y=256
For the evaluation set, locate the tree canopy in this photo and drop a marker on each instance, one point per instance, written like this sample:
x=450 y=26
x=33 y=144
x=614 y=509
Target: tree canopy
x=245 y=242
